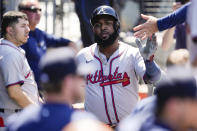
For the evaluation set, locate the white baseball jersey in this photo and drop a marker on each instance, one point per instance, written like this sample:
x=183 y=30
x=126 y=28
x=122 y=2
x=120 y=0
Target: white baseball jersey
x=14 y=69
x=112 y=86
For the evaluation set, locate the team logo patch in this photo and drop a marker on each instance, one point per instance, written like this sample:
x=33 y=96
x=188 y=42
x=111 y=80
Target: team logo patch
x=102 y=11
x=110 y=79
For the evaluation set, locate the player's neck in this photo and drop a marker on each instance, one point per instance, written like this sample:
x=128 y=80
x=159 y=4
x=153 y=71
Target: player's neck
x=108 y=51
x=173 y=121
x=32 y=27
x=9 y=38
x=57 y=98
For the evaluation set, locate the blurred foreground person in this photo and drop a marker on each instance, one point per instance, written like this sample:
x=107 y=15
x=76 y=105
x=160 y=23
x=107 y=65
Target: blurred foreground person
x=173 y=108
x=87 y=125
x=60 y=82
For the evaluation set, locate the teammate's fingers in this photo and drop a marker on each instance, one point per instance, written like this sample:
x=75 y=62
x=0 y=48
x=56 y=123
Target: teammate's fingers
x=145 y=36
x=139 y=36
x=139 y=33
x=139 y=27
x=146 y=17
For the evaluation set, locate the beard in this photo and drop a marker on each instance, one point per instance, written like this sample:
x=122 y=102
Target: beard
x=107 y=42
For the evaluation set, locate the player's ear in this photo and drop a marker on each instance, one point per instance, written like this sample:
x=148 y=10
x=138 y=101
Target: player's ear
x=93 y=29
x=9 y=30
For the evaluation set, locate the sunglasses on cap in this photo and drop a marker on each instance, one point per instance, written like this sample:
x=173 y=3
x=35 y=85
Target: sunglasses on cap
x=31 y=9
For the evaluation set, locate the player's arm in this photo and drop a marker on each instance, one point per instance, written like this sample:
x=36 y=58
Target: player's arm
x=11 y=67
x=153 y=24
x=168 y=38
x=16 y=94
x=175 y=18
x=152 y=71
x=53 y=41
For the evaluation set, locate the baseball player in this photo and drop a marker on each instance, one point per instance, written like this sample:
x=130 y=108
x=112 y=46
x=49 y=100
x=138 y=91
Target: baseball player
x=173 y=108
x=112 y=87
x=60 y=80
x=17 y=86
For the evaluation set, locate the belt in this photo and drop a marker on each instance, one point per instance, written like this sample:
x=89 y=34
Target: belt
x=15 y=110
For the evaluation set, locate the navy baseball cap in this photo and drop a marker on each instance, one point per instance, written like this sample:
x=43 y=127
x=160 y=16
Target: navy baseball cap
x=178 y=82
x=57 y=63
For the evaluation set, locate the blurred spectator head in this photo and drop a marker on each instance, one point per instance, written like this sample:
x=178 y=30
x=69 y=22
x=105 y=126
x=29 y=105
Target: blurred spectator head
x=33 y=11
x=87 y=125
x=178 y=57
x=177 y=99
x=60 y=74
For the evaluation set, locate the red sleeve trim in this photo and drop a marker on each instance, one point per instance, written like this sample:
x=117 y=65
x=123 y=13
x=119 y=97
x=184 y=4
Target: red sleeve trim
x=27 y=75
x=19 y=82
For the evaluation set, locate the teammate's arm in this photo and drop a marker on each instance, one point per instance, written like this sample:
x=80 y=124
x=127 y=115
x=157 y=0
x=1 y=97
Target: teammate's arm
x=168 y=38
x=175 y=18
x=11 y=67
x=53 y=41
x=16 y=94
x=153 y=24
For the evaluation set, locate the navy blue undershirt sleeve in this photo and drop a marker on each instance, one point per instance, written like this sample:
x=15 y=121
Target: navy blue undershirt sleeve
x=177 y=17
x=53 y=41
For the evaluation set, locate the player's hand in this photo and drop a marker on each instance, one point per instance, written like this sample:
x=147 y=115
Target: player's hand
x=147 y=50
x=147 y=29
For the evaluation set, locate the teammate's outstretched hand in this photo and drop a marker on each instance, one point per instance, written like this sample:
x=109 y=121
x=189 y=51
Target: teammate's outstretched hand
x=146 y=30
x=147 y=50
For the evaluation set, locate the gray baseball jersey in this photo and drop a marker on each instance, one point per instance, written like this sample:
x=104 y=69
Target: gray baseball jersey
x=112 y=86
x=14 y=69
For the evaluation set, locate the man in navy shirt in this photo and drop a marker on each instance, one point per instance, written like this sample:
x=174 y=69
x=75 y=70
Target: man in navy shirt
x=39 y=40
x=61 y=79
